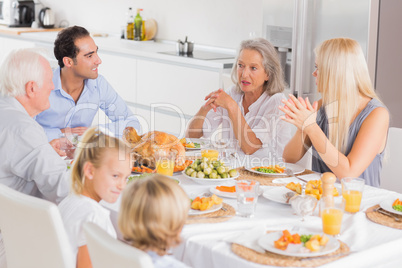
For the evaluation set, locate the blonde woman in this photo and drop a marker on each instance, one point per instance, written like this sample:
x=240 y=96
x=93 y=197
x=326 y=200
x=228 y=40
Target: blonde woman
x=152 y=214
x=348 y=127
x=100 y=171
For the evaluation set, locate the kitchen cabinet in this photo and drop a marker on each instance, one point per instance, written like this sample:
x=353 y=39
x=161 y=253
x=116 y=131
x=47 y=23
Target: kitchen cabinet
x=176 y=88
x=9 y=44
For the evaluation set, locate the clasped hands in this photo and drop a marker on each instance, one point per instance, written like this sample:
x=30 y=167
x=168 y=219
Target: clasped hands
x=299 y=112
x=217 y=99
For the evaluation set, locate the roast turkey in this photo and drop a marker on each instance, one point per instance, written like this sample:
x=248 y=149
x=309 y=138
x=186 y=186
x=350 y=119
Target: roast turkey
x=145 y=146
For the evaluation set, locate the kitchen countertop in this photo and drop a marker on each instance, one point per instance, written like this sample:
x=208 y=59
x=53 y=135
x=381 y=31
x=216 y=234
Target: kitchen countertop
x=19 y=30
x=146 y=50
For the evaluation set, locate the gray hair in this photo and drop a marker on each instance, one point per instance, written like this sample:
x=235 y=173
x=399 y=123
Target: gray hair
x=270 y=62
x=20 y=67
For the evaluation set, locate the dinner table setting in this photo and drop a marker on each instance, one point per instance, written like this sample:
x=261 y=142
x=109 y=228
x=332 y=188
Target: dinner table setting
x=281 y=215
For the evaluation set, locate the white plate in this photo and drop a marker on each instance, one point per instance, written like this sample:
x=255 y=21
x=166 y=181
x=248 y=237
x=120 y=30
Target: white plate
x=277 y=194
x=295 y=168
x=194 y=212
x=227 y=194
x=209 y=181
x=387 y=205
x=199 y=141
x=267 y=243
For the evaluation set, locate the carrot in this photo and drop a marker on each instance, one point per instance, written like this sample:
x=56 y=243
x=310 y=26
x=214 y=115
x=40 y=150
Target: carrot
x=147 y=170
x=228 y=189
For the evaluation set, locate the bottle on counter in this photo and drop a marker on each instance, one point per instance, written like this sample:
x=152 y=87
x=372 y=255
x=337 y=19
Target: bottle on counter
x=130 y=24
x=138 y=26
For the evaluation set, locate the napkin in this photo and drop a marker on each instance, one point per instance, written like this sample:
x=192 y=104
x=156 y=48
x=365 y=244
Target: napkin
x=313 y=176
x=248 y=238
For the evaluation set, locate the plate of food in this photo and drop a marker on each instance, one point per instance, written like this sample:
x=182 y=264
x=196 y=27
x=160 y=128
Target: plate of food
x=276 y=170
x=313 y=187
x=393 y=205
x=192 y=144
x=227 y=190
x=305 y=244
x=277 y=194
x=205 y=171
x=205 y=204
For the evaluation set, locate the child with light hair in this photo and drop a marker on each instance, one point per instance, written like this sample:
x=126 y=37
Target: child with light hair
x=100 y=170
x=152 y=214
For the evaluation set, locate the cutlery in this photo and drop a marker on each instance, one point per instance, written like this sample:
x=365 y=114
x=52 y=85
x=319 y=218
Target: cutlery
x=289 y=172
x=379 y=209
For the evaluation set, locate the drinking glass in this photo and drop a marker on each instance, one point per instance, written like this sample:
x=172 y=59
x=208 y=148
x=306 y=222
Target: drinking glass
x=228 y=151
x=68 y=143
x=209 y=151
x=247 y=196
x=303 y=205
x=331 y=214
x=352 y=191
x=165 y=162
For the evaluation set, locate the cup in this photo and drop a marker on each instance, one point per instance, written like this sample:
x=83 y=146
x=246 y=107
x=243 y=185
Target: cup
x=209 y=151
x=165 y=162
x=247 y=196
x=352 y=191
x=228 y=151
x=331 y=214
x=68 y=143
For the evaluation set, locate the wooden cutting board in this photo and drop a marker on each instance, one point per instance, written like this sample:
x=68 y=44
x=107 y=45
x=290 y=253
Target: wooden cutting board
x=20 y=30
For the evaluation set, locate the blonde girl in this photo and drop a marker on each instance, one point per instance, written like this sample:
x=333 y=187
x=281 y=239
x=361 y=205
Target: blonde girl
x=348 y=127
x=152 y=214
x=101 y=167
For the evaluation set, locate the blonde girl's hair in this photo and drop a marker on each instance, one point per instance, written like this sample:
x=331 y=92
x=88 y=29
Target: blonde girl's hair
x=270 y=62
x=152 y=213
x=342 y=77
x=92 y=148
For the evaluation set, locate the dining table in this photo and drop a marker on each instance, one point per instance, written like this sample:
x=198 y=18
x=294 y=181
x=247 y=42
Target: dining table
x=223 y=241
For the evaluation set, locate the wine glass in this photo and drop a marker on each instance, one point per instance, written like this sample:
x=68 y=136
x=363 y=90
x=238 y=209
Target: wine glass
x=303 y=205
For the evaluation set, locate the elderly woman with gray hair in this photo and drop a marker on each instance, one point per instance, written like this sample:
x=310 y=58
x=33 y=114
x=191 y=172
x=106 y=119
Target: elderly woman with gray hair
x=248 y=111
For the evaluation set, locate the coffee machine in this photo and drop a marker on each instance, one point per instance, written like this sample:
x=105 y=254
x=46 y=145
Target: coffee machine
x=15 y=13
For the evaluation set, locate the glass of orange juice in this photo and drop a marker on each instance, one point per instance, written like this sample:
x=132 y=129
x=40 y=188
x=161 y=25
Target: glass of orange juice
x=211 y=153
x=165 y=162
x=352 y=191
x=331 y=214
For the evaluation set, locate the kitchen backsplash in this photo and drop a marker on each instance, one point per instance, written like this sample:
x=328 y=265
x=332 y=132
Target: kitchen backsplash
x=218 y=23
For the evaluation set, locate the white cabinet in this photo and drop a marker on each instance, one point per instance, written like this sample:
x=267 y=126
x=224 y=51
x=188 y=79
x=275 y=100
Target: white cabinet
x=120 y=72
x=9 y=44
x=179 y=89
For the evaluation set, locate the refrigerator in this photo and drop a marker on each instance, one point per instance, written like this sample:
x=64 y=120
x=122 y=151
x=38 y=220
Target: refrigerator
x=296 y=27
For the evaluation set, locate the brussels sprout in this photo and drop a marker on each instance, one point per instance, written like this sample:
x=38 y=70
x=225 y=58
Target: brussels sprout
x=189 y=171
x=203 y=165
x=198 y=168
x=204 y=159
x=227 y=169
x=198 y=161
x=200 y=175
x=213 y=175
x=194 y=174
x=207 y=170
x=225 y=175
x=193 y=165
x=233 y=173
x=221 y=170
x=219 y=177
x=211 y=166
x=216 y=163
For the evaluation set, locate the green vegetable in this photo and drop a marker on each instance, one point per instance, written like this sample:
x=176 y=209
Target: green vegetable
x=305 y=238
x=397 y=207
x=265 y=170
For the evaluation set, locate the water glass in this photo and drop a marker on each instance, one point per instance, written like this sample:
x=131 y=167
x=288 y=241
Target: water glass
x=68 y=143
x=352 y=191
x=332 y=209
x=165 y=162
x=247 y=196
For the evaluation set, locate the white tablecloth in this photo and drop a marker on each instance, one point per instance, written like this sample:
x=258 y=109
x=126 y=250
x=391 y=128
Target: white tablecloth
x=374 y=245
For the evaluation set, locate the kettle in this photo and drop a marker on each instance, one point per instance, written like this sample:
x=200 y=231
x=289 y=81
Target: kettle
x=46 y=18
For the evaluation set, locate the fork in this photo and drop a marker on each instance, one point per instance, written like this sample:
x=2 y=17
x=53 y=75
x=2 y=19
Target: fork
x=289 y=172
x=387 y=214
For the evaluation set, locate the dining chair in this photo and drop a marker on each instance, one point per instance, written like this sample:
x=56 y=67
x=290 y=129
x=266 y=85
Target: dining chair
x=33 y=232
x=391 y=166
x=106 y=251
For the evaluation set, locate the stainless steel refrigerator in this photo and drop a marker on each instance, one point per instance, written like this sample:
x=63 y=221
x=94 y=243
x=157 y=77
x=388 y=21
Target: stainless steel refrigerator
x=296 y=27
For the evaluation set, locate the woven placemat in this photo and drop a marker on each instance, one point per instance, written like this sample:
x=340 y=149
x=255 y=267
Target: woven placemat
x=269 y=258
x=265 y=179
x=230 y=212
x=382 y=219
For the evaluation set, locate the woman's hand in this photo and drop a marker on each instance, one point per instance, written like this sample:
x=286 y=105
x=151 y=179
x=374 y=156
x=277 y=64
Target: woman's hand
x=299 y=112
x=56 y=146
x=217 y=99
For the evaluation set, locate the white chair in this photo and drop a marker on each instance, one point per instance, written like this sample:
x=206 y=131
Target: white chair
x=106 y=252
x=391 y=168
x=33 y=232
